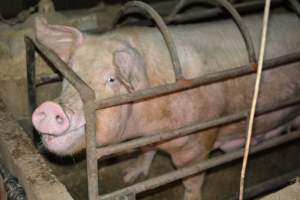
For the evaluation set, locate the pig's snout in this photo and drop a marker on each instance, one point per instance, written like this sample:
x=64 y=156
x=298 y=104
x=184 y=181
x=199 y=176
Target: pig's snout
x=50 y=118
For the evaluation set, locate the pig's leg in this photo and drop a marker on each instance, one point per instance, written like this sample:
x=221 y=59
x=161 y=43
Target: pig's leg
x=193 y=184
x=140 y=166
x=195 y=151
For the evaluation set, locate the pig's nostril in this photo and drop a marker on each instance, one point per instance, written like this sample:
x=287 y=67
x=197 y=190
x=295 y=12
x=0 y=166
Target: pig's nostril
x=59 y=119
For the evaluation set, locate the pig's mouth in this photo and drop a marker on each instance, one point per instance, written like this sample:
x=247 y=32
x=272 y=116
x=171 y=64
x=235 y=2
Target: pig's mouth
x=65 y=143
x=61 y=135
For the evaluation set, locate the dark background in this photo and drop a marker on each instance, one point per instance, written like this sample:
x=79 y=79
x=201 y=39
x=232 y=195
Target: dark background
x=10 y=8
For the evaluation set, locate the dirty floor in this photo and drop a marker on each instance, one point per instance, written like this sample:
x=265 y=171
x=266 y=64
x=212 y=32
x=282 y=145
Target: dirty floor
x=221 y=182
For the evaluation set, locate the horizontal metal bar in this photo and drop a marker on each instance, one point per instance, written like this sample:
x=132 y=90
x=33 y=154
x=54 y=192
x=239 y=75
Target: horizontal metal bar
x=159 y=137
x=45 y=79
x=200 y=167
x=269 y=185
x=196 y=15
x=192 y=83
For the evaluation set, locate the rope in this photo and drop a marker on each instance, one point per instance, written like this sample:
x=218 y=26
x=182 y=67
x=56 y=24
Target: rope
x=255 y=97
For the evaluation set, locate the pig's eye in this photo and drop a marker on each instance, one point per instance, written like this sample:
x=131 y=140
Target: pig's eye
x=111 y=80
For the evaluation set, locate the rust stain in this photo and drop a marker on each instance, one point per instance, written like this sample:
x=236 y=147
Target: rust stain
x=184 y=82
x=254 y=66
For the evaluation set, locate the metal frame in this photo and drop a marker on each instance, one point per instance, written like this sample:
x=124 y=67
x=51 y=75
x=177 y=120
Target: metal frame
x=176 y=17
x=91 y=104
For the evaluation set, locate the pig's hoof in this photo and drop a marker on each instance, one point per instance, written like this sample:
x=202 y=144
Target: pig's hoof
x=132 y=174
x=189 y=195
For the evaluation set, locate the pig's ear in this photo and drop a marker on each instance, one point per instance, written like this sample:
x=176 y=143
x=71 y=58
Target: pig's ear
x=131 y=67
x=63 y=40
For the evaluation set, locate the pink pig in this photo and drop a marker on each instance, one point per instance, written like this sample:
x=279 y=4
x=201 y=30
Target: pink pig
x=135 y=58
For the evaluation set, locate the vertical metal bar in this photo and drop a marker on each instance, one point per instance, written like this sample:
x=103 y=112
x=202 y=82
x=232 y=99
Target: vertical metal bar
x=91 y=157
x=31 y=86
x=30 y=63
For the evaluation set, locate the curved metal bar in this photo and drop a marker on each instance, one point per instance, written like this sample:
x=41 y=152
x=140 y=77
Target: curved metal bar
x=177 y=8
x=243 y=7
x=163 y=29
x=237 y=18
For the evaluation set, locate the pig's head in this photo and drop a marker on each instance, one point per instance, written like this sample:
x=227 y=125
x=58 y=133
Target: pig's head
x=109 y=65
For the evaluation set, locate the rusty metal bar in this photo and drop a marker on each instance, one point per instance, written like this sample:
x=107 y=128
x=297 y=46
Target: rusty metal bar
x=192 y=83
x=83 y=89
x=88 y=98
x=42 y=80
x=30 y=62
x=269 y=185
x=159 y=137
x=238 y=20
x=214 y=12
x=31 y=88
x=200 y=167
x=163 y=29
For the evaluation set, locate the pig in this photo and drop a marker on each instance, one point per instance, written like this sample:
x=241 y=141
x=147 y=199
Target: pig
x=130 y=59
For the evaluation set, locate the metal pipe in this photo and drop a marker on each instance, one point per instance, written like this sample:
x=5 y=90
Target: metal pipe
x=163 y=29
x=159 y=137
x=31 y=86
x=91 y=157
x=199 y=167
x=214 y=12
x=86 y=93
x=238 y=20
x=269 y=185
x=192 y=83
x=42 y=80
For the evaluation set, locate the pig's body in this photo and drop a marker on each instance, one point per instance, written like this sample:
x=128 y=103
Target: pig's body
x=136 y=58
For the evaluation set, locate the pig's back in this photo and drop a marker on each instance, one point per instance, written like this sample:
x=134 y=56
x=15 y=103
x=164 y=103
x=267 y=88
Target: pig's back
x=213 y=46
